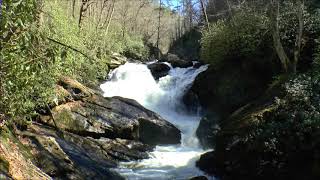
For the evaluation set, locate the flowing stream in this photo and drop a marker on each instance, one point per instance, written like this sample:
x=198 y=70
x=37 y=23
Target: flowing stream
x=135 y=81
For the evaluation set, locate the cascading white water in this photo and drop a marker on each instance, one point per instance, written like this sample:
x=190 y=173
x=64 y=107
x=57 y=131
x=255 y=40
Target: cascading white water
x=164 y=97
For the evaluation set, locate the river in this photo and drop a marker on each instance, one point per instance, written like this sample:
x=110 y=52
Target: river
x=135 y=81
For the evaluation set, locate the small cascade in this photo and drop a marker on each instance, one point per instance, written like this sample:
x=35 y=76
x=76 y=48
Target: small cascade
x=135 y=81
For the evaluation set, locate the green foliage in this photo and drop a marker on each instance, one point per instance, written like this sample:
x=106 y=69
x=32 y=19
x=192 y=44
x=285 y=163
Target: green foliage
x=27 y=68
x=242 y=36
x=280 y=137
x=188 y=46
x=316 y=55
x=31 y=63
x=135 y=48
x=289 y=24
x=91 y=40
x=292 y=129
x=60 y=27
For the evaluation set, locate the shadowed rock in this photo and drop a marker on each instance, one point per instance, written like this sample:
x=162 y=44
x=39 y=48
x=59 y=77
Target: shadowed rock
x=159 y=70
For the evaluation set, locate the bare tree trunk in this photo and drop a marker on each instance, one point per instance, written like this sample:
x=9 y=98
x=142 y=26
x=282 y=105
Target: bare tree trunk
x=82 y=11
x=284 y=59
x=124 y=15
x=73 y=8
x=103 y=6
x=190 y=17
x=203 y=8
x=110 y=17
x=144 y=3
x=159 y=24
x=108 y=14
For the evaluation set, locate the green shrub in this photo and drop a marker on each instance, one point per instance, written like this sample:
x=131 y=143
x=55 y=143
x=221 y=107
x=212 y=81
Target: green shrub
x=247 y=35
x=135 y=48
x=242 y=36
x=31 y=62
x=27 y=69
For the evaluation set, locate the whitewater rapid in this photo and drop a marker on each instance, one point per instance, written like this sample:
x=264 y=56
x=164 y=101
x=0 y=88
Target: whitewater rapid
x=135 y=81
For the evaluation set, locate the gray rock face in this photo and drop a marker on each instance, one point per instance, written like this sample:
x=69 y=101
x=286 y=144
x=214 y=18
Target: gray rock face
x=70 y=156
x=114 y=117
x=159 y=70
x=157 y=132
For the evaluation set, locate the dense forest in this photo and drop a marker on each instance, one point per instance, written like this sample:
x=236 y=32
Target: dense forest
x=234 y=91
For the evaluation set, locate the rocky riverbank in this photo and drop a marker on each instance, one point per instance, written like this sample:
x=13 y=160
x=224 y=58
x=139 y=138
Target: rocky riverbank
x=81 y=136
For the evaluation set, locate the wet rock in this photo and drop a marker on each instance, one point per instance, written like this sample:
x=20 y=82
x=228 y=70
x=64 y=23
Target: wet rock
x=199 y=178
x=207 y=130
x=175 y=61
x=227 y=89
x=158 y=132
x=159 y=70
x=205 y=163
x=191 y=101
x=198 y=64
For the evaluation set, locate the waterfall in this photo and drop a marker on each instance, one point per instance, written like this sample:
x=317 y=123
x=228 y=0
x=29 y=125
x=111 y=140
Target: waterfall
x=135 y=81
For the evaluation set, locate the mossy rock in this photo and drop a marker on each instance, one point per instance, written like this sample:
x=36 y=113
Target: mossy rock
x=75 y=88
x=69 y=116
x=4 y=167
x=16 y=160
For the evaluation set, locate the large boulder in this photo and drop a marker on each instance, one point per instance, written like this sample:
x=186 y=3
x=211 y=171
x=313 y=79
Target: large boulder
x=175 y=61
x=208 y=128
x=159 y=69
x=63 y=155
x=15 y=159
x=114 y=117
x=224 y=89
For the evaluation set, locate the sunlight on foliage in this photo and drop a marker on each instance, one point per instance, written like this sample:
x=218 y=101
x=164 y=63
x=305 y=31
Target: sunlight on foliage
x=242 y=36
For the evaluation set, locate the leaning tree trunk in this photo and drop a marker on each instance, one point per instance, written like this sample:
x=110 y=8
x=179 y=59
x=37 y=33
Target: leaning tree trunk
x=84 y=7
x=298 y=43
x=284 y=59
x=109 y=18
x=288 y=66
x=203 y=8
x=73 y=8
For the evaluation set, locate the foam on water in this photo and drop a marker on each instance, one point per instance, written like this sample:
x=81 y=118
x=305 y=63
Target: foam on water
x=135 y=81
